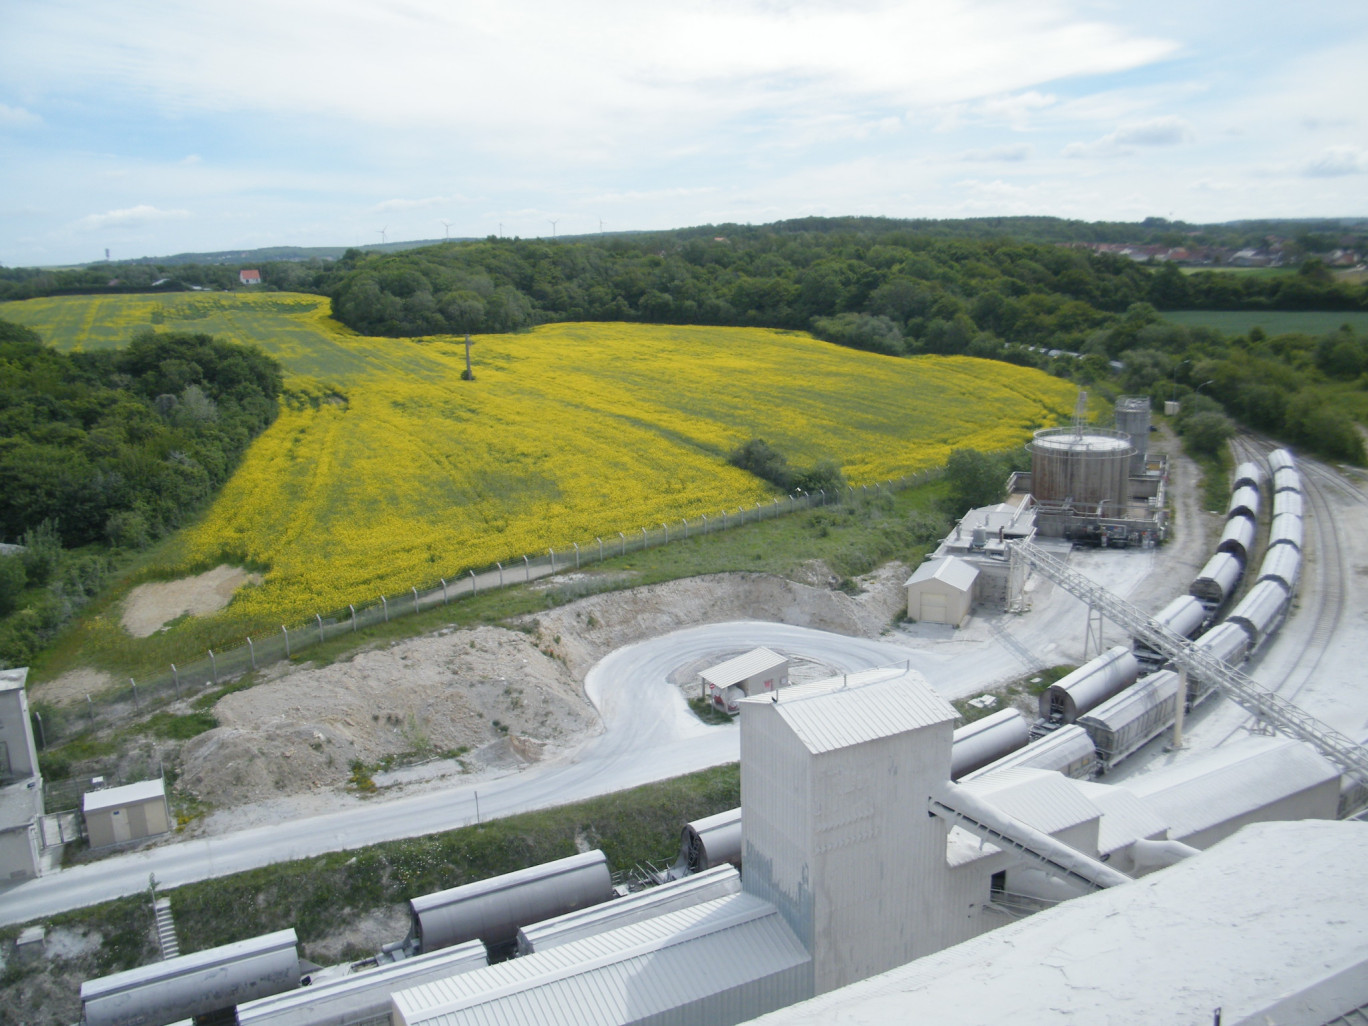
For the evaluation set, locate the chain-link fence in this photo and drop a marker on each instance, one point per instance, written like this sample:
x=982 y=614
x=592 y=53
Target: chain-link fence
x=216 y=669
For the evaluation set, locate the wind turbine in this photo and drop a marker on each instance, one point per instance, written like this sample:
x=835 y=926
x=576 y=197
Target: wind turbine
x=381 y=232
x=446 y=229
x=600 y=226
x=553 y=227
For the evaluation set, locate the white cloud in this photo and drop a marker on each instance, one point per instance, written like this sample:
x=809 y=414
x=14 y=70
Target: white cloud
x=426 y=203
x=17 y=117
x=1007 y=154
x=1161 y=131
x=131 y=217
x=1338 y=160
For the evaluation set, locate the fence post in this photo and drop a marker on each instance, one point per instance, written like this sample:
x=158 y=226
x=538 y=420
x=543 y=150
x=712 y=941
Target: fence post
x=90 y=708
x=444 y=594
x=643 y=540
x=667 y=532
x=705 y=522
x=475 y=588
x=553 y=561
x=576 y=545
x=500 y=566
x=320 y=627
x=686 y=527
x=385 y=602
x=415 y=600
x=42 y=734
x=353 y=612
x=285 y=631
x=624 y=544
x=600 y=541
x=527 y=569
x=724 y=520
x=251 y=650
x=136 y=703
x=175 y=674
x=213 y=669
x=759 y=510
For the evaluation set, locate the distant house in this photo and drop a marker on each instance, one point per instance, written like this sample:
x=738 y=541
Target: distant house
x=757 y=672
x=249 y=277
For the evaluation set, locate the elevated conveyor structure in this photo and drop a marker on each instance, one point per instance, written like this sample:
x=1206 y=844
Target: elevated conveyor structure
x=1261 y=703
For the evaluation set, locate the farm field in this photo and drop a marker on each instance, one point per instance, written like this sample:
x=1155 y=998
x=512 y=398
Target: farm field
x=386 y=470
x=1273 y=322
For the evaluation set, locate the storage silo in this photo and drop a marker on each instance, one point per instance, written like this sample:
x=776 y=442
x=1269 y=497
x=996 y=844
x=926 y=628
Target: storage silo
x=1083 y=465
x=1133 y=418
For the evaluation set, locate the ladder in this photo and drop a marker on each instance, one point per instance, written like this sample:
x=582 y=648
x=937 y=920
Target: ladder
x=1264 y=705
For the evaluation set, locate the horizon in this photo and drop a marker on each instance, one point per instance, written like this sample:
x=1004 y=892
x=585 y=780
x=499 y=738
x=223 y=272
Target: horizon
x=354 y=125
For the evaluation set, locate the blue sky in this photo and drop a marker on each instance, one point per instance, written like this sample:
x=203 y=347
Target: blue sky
x=153 y=129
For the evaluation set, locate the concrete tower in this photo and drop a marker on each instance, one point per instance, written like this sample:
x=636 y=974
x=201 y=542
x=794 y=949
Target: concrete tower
x=834 y=782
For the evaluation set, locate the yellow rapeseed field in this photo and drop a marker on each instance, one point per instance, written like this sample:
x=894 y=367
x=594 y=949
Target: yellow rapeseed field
x=386 y=470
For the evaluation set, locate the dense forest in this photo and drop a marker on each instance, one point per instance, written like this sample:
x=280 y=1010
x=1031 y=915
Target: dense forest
x=111 y=449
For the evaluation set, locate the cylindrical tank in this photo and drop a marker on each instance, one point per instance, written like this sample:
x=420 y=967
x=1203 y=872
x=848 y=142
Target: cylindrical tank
x=1184 y=615
x=1280 y=458
x=1282 y=563
x=492 y=910
x=1216 y=580
x=1287 y=479
x=1260 y=611
x=195 y=984
x=983 y=741
x=1133 y=418
x=710 y=841
x=1244 y=501
x=1088 y=466
x=1248 y=475
x=1069 y=750
x=1238 y=537
x=1287 y=503
x=1286 y=529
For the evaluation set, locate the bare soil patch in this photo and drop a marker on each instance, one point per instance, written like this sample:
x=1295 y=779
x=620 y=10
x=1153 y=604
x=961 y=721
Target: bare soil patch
x=149 y=607
x=71 y=686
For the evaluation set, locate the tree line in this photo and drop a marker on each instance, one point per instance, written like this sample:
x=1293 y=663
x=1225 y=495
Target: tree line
x=110 y=450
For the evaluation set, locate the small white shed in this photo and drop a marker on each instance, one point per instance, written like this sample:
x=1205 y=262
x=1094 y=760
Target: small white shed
x=754 y=673
x=941 y=591
x=129 y=813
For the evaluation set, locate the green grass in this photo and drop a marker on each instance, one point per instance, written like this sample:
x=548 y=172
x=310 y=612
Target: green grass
x=1273 y=322
x=324 y=895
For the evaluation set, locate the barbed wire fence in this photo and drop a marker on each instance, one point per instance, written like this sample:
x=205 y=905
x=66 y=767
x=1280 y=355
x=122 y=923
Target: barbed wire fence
x=53 y=725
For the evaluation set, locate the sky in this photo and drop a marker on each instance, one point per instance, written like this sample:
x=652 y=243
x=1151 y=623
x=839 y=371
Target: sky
x=154 y=129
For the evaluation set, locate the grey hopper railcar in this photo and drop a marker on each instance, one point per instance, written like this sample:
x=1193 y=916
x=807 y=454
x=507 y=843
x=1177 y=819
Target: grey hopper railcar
x=1142 y=712
x=1215 y=581
x=1068 y=750
x=1248 y=475
x=1184 y=616
x=977 y=744
x=1282 y=563
x=199 y=984
x=708 y=842
x=1238 y=537
x=1286 y=529
x=1090 y=685
x=1229 y=643
x=1286 y=479
x=492 y=910
x=1279 y=459
x=1288 y=503
x=1244 y=502
x=360 y=997
x=1261 y=611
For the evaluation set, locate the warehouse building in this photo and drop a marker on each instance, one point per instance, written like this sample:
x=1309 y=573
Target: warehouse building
x=757 y=671
x=133 y=812
x=941 y=591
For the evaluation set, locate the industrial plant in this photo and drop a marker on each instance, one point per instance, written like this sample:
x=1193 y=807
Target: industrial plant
x=881 y=858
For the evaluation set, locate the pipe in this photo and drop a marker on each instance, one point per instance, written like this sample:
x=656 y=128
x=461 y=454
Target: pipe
x=959 y=805
x=1160 y=854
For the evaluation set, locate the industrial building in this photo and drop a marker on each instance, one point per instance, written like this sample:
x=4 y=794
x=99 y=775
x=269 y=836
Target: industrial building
x=133 y=812
x=758 y=670
x=21 y=785
x=941 y=591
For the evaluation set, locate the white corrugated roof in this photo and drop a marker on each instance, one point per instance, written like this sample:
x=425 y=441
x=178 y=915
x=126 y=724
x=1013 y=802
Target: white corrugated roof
x=128 y=794
x=1242 y=926
x=949 y=570
x=742 y=667
x=623 y=975
x=1044 y=799
x=1125 y=818
x=858 y=707
x=708 y=885
x=1228 y=781
x=1057 y=749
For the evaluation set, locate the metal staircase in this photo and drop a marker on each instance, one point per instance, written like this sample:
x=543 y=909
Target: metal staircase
x=1264 y=705
x=166 y=929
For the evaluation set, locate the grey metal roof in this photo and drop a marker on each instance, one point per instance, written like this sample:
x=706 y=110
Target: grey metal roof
x=708 y=885
x=625 y=975
x=13 y=678
x=1055 y=750
x=1125 y=818
x=1229 y=781
x=949 y=570
x=742 y=667
x=128 y=794
x=1044 y=799
x=858 y=707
